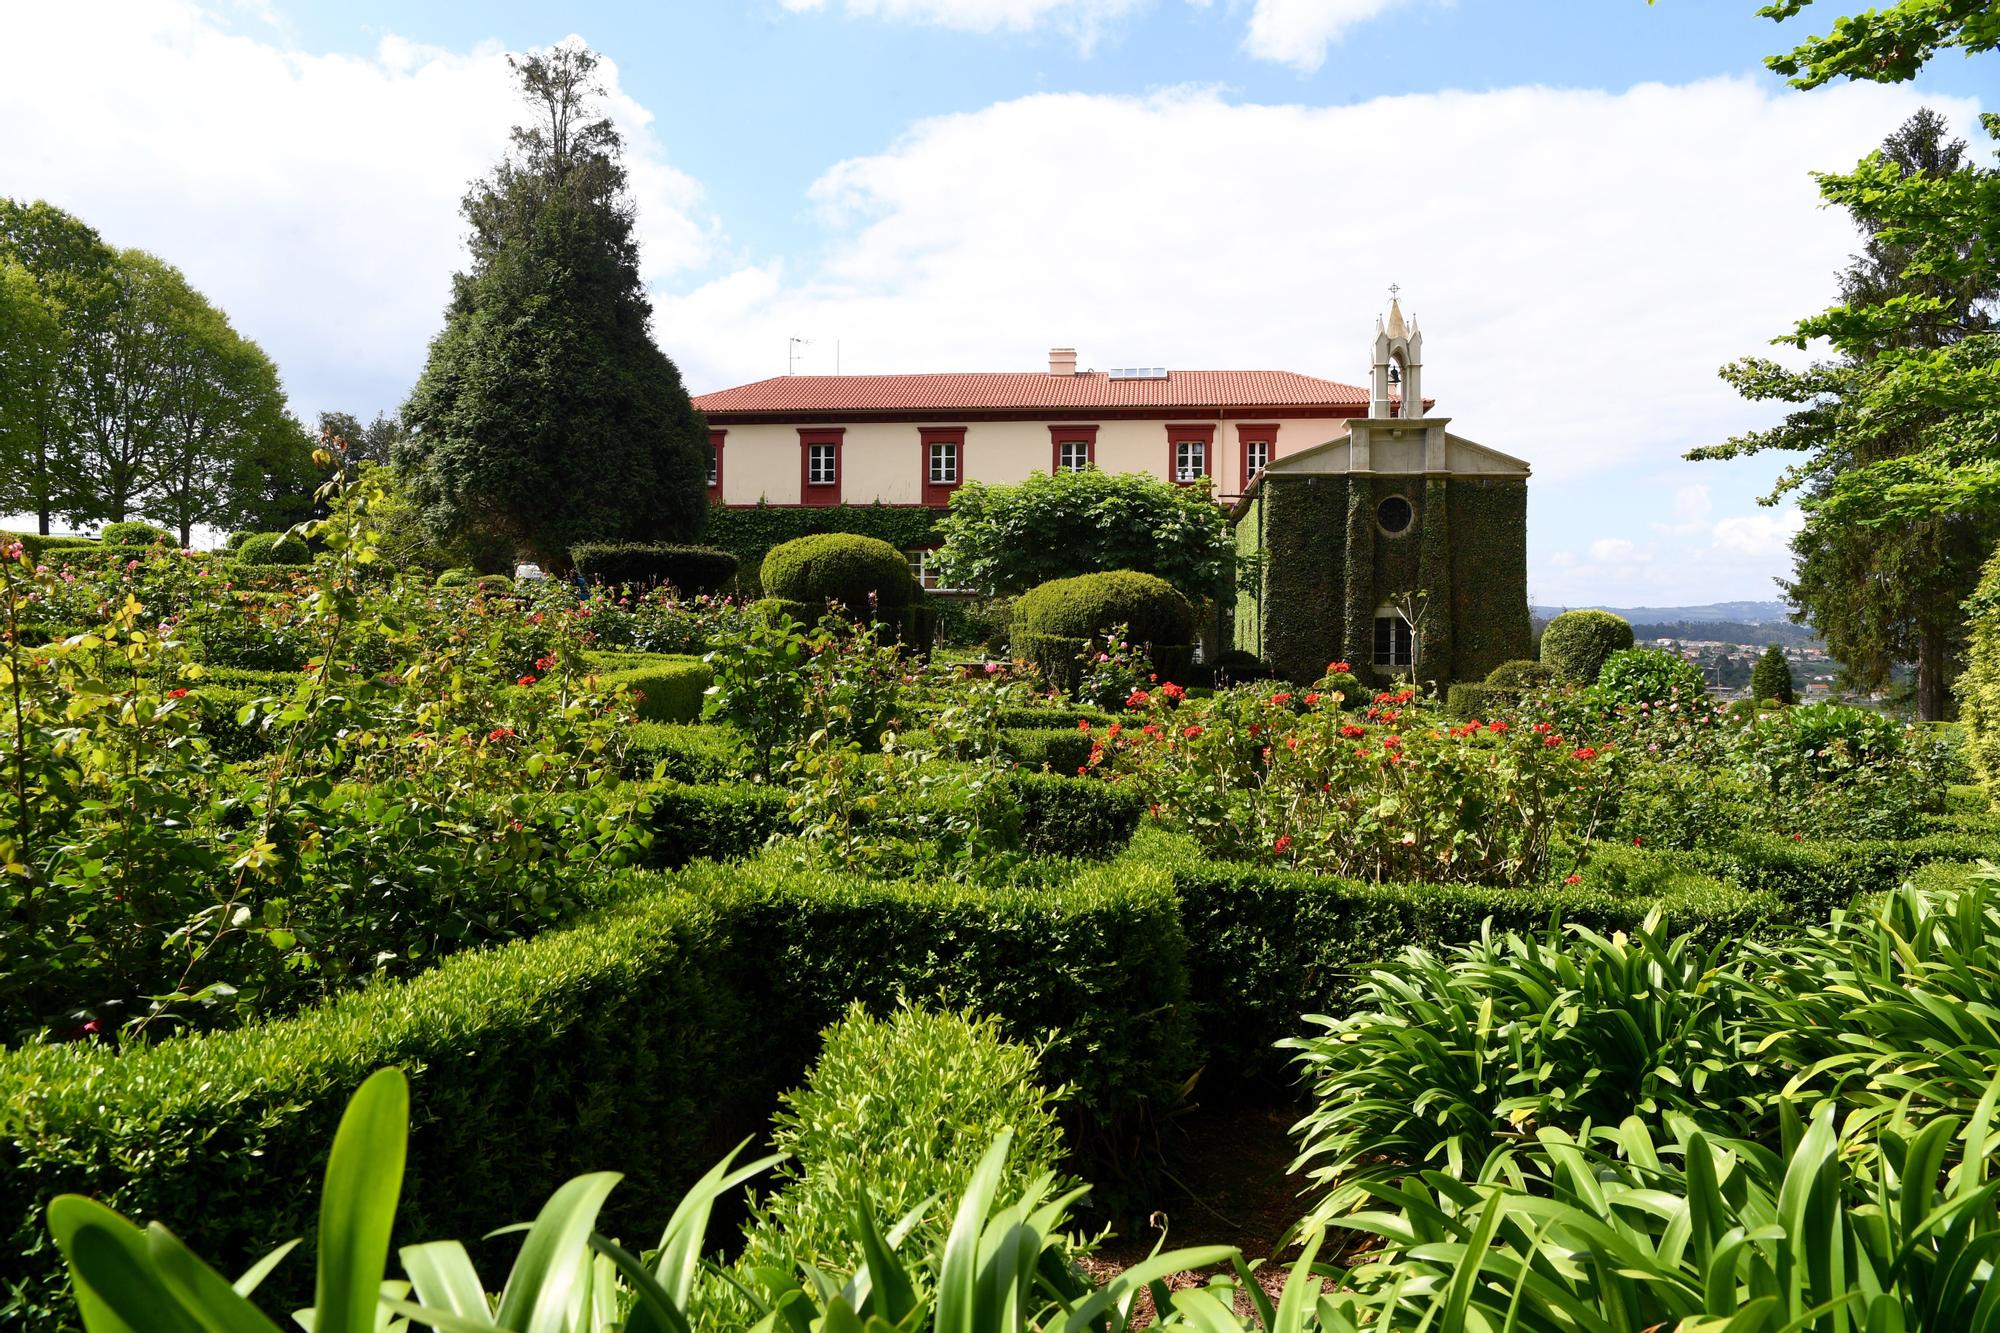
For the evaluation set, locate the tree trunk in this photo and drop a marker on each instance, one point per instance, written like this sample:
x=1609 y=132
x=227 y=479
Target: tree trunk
x=1931 y=694
x=187 y=534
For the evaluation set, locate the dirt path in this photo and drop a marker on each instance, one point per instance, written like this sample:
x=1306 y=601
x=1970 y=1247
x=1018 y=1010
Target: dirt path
x=1225 y=1182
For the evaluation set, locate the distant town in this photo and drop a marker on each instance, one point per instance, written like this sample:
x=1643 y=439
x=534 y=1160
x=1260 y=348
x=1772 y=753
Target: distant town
x=1725 y=640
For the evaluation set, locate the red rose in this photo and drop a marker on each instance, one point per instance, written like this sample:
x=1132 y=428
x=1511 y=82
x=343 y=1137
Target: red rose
x=177 y=694
x=525 y=681
x=1283 y=844
x=1191 y=732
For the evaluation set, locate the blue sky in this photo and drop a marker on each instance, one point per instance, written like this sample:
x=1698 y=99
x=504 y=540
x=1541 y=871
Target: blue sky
x=1591 y=204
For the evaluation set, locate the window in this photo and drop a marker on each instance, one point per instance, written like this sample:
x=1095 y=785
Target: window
x=1256 y=457
x=1395 y=515
x=1188 y=452
x=924 y=568
x=1190 y=460
x=1073 y=448
x=1392 y=639
x=944 y=463
x=715 y=438
x=821 y=467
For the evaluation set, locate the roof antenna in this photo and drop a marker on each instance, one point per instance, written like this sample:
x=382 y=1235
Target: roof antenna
x=792 y=354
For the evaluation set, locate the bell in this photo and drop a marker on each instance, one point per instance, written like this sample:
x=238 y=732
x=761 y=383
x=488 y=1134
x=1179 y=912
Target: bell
x=1395 y=375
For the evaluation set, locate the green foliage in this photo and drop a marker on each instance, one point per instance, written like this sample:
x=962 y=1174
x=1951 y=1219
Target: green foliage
x=898 y=1111
x=273 y=548
x=1055 y=622
x=1632 y=677
x=778 y=686
x=750 y=531
x=687 y=752
x=1576 y=644
x=1979 y=688
x=1816 y=878
x=865 y=576
x=1522 y=673
x=1771 y=678
x=1466 y=702
x=667 y=689
x=1886 y=45
x=675 y=1015
x=1012 y=538
x=133 y=534
x=691 y=569
x=1444 y=1055
x=546 y=416
x=1276 y=943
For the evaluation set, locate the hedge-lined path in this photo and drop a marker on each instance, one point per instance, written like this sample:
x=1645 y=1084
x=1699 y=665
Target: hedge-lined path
x=1226 y=1180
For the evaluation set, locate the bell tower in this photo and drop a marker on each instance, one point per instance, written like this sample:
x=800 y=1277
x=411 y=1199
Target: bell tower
x=1399 y=365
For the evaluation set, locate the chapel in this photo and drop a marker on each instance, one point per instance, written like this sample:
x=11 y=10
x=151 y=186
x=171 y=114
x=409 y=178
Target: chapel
x=1396 y=546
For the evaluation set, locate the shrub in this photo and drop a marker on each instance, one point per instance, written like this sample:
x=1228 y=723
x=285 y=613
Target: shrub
x=1064 y=750
x=1650 y=676
x=1275 y=943
x=644 y=1040
x=235 y=540
x=1771 y=678
x=1816 y=878
x=1576 y=643
x=718 y=822
x=1061 y=816
x=1522 y=673
x=1465 y=702
x=458 y=578
x=134 y=534
x=670 y=689
x=1445 y=1051
x=273 y=548
x=692 y=569
x=689 y=752
x=1056 y=621
x=856 y=572
x=897 y=1110
x=39 y=548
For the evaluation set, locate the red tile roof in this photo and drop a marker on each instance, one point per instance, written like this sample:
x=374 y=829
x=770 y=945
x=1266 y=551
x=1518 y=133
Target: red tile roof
x=834 y=395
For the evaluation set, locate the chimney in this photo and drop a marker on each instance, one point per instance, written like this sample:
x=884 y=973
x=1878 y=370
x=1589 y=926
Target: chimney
x=1062 y=361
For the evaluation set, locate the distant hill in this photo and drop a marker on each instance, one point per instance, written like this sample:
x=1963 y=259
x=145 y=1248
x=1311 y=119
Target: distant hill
x=1745 y=613
x=1755 y=623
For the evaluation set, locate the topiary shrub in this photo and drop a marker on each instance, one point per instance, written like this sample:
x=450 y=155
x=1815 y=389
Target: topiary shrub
x=235 y=540
x=1466 y=701
x=133 y=534
x=1771 y=678
x=693 y=569
x=273 y=548
x=1054 y=620
x=858 y=573
x=1650 y=676
x=1576 y=643
x=457 y=578
x=1522 y=673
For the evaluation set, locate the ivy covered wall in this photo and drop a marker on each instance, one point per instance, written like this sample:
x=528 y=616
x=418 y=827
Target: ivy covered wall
x=1326 y=566
x=748 y=532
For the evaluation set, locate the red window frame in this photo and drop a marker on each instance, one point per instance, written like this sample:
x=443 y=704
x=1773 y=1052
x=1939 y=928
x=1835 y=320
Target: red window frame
x=821 y=493
x=938 y=494
x=1204 y=432
x=1265 y=434
x=715 y=437
x=1061 y=435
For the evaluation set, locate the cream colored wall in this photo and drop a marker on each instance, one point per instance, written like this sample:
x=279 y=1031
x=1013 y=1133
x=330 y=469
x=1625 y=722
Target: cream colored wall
x=885 y=462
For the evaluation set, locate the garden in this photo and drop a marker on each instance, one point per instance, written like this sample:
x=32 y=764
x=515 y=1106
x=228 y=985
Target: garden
x=748 y=962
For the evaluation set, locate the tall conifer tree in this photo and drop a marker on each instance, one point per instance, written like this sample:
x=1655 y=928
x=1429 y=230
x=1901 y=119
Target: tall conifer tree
x=546 y=415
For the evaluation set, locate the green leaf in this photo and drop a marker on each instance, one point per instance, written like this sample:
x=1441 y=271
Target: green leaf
x=364 y=1180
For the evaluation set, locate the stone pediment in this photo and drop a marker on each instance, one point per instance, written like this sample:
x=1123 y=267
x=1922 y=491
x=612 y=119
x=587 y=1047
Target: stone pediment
x=1399 y=447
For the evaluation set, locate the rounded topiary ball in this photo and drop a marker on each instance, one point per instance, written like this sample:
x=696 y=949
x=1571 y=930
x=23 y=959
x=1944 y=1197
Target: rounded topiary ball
x=274 y=548
x=839 y=567
x=1576 y=644
x=1521 y=673
x=1151 y=609
x=133 y=534
x=1651 y=676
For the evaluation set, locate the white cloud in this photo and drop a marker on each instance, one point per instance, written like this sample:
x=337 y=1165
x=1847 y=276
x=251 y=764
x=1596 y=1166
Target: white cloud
x=1690 y=509
x=1298 y=32
x=1083 y=19
x=1618 y=551
x=313 y=197
x=1759 y=536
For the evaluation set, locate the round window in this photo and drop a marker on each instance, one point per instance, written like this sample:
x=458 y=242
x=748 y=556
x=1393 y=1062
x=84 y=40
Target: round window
x=1395 y=515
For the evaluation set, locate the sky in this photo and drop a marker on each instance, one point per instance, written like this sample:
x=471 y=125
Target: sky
x=1591 y=205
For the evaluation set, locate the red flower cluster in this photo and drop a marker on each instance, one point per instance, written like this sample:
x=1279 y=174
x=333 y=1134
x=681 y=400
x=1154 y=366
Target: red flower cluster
x=1280 y=700
x=525 y=681
x=1352 y=732
x=177 y=694
x=1083 y=724
x=1138 y=699
x=1283 y=844
x=545 y=663
x=500 y=734
x=1191 y=732
x=1172 y=691
x=1312 y=698
x=1584 y=752
x=1336 y=668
